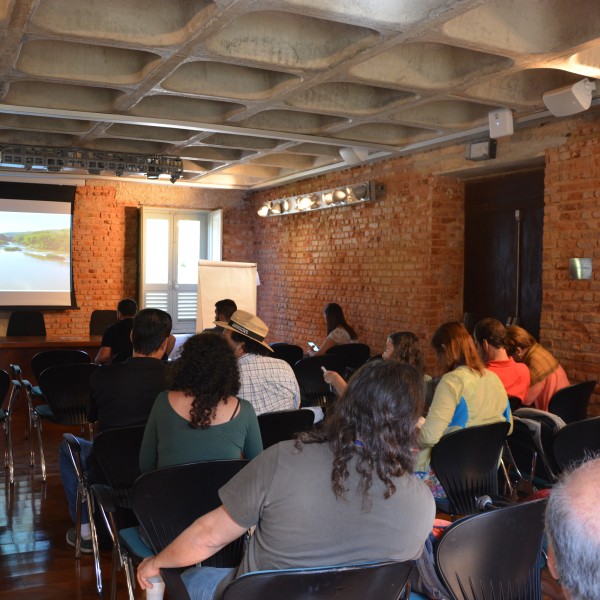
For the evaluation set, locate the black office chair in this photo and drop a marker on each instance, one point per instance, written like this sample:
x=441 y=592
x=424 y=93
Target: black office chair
x=100 y=320
x=353 y=355
x=314 y=391
x=26 y=323
x=571 y=403
x=494 y=554
x=51 y=358
x=284 y=425
x=66 y=389
x=466 y=464
x=117 y=453
x=168 y=500
x=7 y=401
x=288 y=352
x=576 y=441
x=380 y=581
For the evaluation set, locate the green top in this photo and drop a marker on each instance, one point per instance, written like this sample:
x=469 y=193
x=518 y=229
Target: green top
x=169 y=439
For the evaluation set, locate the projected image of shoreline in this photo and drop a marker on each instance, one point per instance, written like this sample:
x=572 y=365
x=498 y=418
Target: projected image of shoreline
x=35 y=252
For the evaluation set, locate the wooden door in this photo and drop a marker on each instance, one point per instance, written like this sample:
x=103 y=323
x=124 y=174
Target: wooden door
x=491 y=248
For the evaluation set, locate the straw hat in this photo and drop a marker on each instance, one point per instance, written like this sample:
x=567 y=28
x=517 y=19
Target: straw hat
x=248 y=325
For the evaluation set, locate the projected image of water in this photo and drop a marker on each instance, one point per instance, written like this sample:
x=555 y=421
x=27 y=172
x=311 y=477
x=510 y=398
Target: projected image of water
x=35 y=252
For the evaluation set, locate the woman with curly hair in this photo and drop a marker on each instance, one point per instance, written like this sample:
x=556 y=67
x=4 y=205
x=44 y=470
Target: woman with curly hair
x=467 y=395
x=401 y=346
x=339 y=495
x=199 y=417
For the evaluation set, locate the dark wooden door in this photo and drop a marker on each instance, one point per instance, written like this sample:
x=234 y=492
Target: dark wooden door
x=491 y=238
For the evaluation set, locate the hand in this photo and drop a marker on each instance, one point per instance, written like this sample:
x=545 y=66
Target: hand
x=145 y=571
x=334 y=379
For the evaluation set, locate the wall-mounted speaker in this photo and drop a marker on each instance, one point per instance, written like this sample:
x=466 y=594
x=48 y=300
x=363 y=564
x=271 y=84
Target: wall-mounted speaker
x=501 y=122
x=570 y=99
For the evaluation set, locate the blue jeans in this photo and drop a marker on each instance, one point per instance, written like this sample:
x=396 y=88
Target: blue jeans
x=202 y=582
x=68 y=476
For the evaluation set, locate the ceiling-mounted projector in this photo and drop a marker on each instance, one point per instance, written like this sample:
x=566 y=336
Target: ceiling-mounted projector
x=570 y=99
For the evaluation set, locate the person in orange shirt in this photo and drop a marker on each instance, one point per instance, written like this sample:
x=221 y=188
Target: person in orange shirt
x=489 y=340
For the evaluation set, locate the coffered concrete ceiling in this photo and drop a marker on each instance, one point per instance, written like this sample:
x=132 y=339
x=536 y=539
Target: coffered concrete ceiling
x=251 y=93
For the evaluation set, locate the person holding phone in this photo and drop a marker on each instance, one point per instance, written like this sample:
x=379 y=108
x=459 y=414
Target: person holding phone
x=338 y=330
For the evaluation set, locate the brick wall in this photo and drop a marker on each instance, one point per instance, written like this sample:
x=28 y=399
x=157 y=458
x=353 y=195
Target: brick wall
x=570 y=323
x=392 y=264
x=105 y=242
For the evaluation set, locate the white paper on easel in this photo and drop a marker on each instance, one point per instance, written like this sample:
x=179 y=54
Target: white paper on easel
x=218 y=280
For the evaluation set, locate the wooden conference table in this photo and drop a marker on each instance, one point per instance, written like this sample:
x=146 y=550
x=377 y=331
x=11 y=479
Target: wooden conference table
x=20 y=350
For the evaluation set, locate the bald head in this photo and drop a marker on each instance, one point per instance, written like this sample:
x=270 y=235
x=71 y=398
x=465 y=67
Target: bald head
x=574 y=530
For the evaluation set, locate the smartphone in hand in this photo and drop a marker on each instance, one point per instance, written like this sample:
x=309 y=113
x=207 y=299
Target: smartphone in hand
x=313 y=346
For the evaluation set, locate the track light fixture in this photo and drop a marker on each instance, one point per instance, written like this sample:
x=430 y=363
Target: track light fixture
x=356 y=193
x=93 y=162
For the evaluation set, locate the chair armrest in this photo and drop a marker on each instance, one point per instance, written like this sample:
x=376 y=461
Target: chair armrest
x=105 y=497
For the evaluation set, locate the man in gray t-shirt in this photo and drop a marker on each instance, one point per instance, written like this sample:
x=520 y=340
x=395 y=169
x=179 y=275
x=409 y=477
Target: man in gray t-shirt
x=344 y=494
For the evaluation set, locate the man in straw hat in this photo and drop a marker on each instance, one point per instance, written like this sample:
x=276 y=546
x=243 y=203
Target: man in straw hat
x=269 y=384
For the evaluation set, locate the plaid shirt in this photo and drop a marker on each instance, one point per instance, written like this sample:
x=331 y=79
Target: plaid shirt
x=269 y=384
x=540 y=362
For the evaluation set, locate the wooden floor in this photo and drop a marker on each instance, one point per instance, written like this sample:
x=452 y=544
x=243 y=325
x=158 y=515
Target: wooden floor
x=35 y=561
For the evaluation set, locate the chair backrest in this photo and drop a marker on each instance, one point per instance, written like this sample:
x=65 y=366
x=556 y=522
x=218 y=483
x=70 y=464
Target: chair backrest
x=466 y=464
x=528 y=442
x=26 y=322
x=353 y=355
x=576 y=441
x=5 y=386
x=50 y=358
x=100 y=320
x=571 y=403
x=494 y=554
x=283 y=425
x=288 y=352
x=381 y=581
x=117 y=452
x=66 y=388
x=168 y=500
x=314 y=391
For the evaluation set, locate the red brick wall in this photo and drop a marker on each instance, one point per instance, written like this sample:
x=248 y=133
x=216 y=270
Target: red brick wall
x=105 y=242
x=392 y=264
x=570 y=323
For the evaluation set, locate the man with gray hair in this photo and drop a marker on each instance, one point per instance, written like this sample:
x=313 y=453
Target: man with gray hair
x=574 y=531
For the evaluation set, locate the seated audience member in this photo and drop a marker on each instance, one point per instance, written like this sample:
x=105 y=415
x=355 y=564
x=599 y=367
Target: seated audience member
x=362 y=504
x=401 y=346
x=268 y=383
x=223 y=311
x=547 y=376
x=122 y=395
x=199 y=417
x=489 y=337
x=117 y=337
x=338 y=330
x=573 y=531
x=467 y=395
